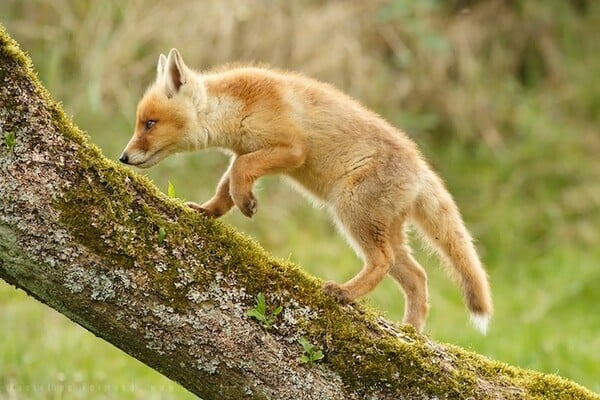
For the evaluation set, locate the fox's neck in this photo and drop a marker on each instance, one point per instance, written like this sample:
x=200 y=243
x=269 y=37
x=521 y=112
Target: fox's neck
x=221 y=119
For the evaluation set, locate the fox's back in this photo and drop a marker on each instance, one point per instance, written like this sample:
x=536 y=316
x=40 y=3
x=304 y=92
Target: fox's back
x=316 y=108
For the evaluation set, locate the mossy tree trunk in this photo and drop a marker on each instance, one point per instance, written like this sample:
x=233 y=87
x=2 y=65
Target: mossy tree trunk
x=102 y=246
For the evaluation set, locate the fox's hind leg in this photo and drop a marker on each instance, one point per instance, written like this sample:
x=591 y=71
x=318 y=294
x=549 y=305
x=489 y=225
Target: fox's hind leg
x=411 y=277
x=369 y=232
x=413 y=280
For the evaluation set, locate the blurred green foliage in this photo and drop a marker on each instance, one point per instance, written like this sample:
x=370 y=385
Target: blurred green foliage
x=502 y=97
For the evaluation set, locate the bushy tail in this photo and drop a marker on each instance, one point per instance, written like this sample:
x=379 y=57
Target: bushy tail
x=438 y=217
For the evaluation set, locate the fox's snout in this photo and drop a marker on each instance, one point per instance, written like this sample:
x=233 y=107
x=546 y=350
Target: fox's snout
x=137 y=157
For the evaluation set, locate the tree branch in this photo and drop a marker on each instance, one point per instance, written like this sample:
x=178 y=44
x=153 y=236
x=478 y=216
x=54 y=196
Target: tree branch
x=101 y=245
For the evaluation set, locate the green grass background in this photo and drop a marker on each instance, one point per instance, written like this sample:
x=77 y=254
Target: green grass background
x=503 y=99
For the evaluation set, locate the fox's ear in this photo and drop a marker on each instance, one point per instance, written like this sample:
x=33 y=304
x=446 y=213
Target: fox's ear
x=160 y=67
x=175 y=72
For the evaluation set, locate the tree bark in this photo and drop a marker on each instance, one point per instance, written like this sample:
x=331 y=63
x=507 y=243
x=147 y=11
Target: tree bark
x=101 y=245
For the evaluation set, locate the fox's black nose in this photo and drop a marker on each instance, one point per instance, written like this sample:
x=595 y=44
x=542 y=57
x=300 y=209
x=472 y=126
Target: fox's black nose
x=124 y=159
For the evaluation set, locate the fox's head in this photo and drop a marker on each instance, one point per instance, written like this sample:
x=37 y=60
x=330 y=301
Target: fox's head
x=167 y=119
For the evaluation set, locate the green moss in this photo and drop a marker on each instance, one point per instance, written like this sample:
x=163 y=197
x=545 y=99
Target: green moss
x=10 y=48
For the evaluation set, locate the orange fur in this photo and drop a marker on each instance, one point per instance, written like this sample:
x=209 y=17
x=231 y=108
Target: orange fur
x=370 y=175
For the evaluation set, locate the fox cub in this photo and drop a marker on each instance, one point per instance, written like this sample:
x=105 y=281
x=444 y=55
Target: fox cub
x=370 y=175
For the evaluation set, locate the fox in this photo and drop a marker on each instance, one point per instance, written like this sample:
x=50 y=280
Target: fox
x=369 y=175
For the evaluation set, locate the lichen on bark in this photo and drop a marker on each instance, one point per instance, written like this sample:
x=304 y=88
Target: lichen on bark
x=80 y=233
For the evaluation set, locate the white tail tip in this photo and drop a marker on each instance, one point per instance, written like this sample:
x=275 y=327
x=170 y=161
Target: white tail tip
x=481 y=322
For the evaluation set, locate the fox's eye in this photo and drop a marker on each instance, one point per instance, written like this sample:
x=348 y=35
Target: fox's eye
x=149 y=124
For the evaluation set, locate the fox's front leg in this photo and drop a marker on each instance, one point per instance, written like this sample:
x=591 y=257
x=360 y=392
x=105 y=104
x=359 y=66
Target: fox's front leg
x=221 y=202
x=247 y=168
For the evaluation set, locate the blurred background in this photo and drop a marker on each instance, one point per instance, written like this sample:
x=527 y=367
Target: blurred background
x=503 y=97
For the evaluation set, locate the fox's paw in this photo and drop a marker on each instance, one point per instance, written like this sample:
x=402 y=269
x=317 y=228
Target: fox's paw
x=247 y=205
x=336 y=290
x=203 y=210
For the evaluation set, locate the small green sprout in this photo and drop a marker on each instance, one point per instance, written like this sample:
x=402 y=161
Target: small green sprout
x=10 y=140
x=171 y=191
x=162 y=233
x=311 y=354
x=259 y=312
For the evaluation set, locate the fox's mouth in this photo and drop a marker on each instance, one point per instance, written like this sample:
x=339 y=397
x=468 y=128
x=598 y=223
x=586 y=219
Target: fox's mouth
x=146 y=164
x=148 y=161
